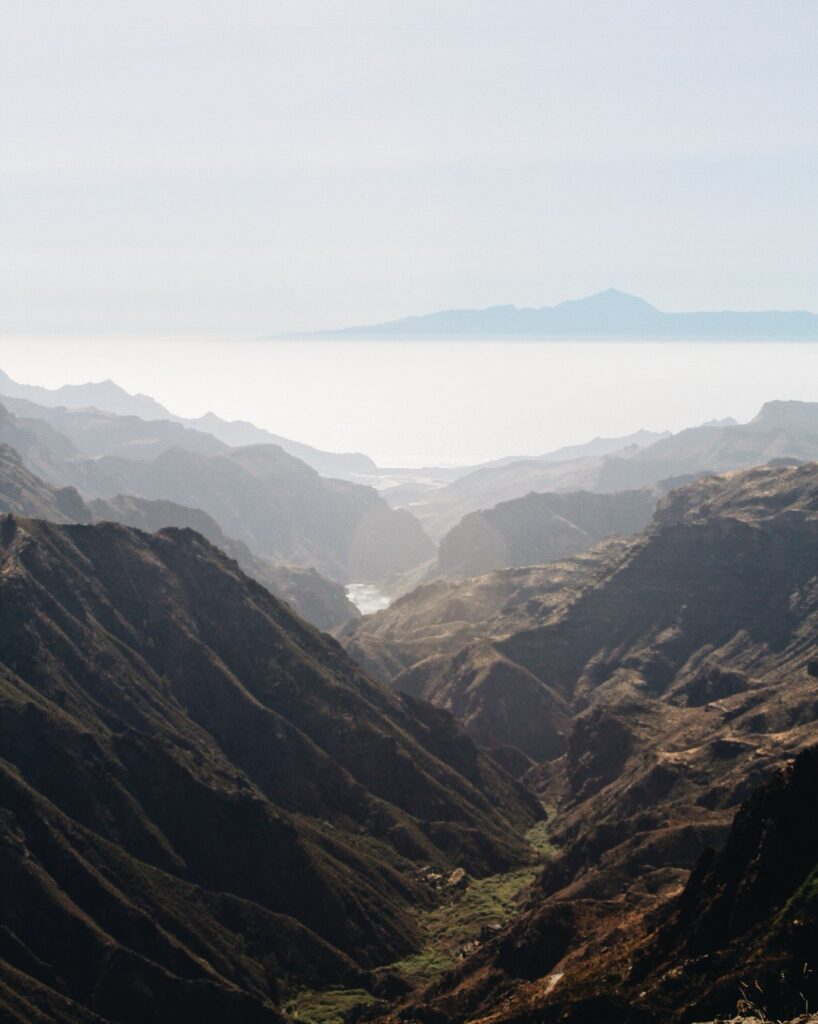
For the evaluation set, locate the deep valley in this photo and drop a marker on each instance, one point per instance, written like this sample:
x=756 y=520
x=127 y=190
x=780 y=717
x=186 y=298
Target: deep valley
x=558 y=764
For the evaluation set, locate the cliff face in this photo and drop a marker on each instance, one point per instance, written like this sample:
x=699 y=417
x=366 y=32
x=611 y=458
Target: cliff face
x=748 y=916
x=202 y=796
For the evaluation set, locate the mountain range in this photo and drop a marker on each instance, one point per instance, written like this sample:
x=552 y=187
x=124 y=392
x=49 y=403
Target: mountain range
x=211 y=812
x=317 y=599
x=610 y=313
x=644 y=690
x=204 y=801
x=541 y=528
x=283 y=509
x=781 y=430
x=106 y=396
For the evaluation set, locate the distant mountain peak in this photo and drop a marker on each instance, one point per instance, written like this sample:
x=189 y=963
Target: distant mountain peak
x=608 y=313
x=610 y=298
x=105 y=395
x=788 y=414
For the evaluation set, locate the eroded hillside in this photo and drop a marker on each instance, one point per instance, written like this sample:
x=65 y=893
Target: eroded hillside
x=204 y=800
x=654 y=684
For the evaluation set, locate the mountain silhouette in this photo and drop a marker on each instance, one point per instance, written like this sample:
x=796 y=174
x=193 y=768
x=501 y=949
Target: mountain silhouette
x=610 y=313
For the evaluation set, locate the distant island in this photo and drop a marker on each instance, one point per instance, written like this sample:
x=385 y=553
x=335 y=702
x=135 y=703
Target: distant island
x=607 y=314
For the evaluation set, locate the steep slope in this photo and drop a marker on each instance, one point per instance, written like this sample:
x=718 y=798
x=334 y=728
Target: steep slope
x=276 y=504
x=682 y=672
x=108 y=397
x=782 y=430
x=22 y=493
x=95 y=433
x=748 y=916
x=201 y=795
x=540 y=528
x=739 y=937
x=708 y=570
x=318 y=600
x=282 y=509
x=437 y=620
x=315 y=598
x=43 y=450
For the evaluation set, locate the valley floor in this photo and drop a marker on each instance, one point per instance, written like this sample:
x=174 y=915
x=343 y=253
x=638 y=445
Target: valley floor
x=462 y=918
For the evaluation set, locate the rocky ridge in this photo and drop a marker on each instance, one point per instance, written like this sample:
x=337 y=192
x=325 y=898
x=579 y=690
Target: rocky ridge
x=282 y=509
x=667 y=677
x=318 y=600
x=204 y=800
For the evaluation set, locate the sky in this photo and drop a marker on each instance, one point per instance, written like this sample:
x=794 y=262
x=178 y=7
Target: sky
x=262 y=166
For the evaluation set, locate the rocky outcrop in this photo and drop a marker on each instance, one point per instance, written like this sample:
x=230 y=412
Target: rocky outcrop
x=748 y=916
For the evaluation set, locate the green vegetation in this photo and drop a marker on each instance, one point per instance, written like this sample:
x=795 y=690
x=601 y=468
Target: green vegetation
x=326 y=1007
x=803 y=901
x=457 y=922
x=538 y=836
x=452 y=930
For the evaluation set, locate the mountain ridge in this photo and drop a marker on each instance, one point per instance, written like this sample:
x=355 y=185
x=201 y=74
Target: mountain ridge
x=657 y=681
x=284 y=509
x=609 y=313
x=108 y=397
x=315 y=598
x=204 y=800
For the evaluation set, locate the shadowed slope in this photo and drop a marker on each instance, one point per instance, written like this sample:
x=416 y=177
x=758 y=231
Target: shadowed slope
x=541 y=528
x=211 y=796
x=318 y=600
x=685 y=672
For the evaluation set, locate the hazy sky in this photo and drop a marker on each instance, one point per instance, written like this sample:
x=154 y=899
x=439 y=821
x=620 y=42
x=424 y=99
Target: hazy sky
x=414 y=403
x=267 y=165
